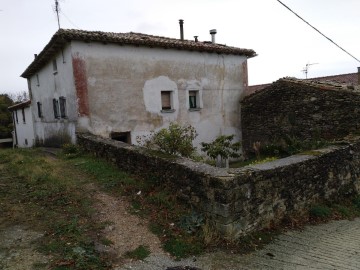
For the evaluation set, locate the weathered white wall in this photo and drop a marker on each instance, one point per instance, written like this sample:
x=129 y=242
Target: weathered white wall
x=48 y=129
x=124 y=85
x=24 y=130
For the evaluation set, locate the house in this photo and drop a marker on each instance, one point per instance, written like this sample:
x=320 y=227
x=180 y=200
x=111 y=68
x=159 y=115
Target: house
x=23 y=134
x=348 y=78
x=302 y=110
x=125 y=85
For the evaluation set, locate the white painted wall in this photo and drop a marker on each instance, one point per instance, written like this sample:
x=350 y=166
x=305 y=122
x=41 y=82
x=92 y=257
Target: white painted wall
x=54 y=85
x=124 y=85
x=24 y=129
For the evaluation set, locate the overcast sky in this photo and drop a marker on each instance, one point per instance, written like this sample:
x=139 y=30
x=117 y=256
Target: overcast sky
x=283 y=42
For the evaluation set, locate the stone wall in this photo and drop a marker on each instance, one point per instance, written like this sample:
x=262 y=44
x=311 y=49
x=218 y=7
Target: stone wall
x=243 y=200
x=300 y=109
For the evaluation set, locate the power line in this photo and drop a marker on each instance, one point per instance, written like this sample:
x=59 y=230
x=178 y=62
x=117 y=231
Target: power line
x=318 y=31
x=62 y=12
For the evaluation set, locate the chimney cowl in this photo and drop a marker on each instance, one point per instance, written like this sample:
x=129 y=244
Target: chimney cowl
x=213 y=33
x=181 y=23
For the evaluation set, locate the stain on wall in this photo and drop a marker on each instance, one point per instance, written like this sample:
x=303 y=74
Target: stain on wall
x=81 y=86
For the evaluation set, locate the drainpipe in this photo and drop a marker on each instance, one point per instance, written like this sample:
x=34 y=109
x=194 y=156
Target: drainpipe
x=213 y=33
x=181 y=22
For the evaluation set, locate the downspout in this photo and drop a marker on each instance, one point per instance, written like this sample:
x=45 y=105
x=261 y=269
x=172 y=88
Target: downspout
x=15 y=143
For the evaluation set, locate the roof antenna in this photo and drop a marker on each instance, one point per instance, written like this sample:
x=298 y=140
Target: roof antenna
x=306 y=68
x=57 y=11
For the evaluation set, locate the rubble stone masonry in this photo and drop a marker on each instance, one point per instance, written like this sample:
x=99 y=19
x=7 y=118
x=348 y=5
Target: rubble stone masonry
x=239 y=201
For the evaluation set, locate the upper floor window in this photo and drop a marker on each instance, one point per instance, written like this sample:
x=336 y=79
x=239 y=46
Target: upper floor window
x=166 y=101
x=56 y=108
x=55 y=70
x=39 y=108
x=37 y=80
x=62 y=107
x=23 y=115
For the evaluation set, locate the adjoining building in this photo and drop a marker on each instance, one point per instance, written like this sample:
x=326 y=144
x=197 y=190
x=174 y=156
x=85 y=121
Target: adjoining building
x=23 y=134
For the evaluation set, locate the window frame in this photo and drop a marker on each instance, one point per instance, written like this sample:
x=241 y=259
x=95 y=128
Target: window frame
x=56 y=108
x=39 y=108
x=168 y=94
x=196 y=94
x=23 y=115
x=55 y=68
x=62 y=106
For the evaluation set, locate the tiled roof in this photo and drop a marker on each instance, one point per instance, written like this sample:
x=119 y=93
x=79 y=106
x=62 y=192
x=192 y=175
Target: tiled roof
x=324 y=85
x=20 y=105
x=63 y=36
x=349 y=79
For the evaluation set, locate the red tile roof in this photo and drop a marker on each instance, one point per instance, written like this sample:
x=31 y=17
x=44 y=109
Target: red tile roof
x=62 y=36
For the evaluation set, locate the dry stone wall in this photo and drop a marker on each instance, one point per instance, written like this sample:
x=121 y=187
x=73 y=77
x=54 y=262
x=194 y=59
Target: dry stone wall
x=301 y=110
x=243 y=200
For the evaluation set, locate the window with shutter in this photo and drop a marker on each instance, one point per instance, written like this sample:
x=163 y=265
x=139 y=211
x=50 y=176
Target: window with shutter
x=166 y=100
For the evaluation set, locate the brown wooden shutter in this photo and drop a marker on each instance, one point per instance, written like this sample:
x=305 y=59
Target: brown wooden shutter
x=165 y=100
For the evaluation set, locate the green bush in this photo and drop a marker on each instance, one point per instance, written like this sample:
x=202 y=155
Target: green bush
x=174 y=140
x=320 y=211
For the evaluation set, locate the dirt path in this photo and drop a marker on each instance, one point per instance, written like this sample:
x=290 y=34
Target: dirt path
x=126 y=231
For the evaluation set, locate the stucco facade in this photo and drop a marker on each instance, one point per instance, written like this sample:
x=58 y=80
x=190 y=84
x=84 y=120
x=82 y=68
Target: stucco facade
x=23 y=135
x=116 y=90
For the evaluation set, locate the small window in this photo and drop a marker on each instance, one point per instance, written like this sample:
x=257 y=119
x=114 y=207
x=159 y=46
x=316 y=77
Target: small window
x=55 y=70
x=166 y=100
x=29 y=87
x=26 y=142
x=23 y=115
x=39 y=107
x=56 y=108
x=62 y=107
x=194 y=100
x=121 y=136
x=37 y=80
x=16 y=117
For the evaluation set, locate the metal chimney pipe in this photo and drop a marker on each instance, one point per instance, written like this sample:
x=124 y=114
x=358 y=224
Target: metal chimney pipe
x=35 y=55
x=358 y=75
x=213 y=33
x=196 y=38
x=181 y=22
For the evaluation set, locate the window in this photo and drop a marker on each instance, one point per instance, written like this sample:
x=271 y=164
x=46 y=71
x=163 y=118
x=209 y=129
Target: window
x=56 y=108
x=166 y=100
x=62 y=107
x=194 y=99
x=39 y=107
x=55 y=70
x=37 y=80
x=29 y=87
x=23 y=114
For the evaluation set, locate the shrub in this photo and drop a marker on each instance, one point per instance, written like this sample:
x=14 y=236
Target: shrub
x=174 y=140
x=222 y=147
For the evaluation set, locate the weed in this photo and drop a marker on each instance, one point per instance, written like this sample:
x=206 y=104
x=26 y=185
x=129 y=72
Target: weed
x=356 y=202
x=140 y=253
x=181 y=248
x=320 y=211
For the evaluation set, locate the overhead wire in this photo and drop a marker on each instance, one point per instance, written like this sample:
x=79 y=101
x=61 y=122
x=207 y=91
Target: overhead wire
x=318 y=31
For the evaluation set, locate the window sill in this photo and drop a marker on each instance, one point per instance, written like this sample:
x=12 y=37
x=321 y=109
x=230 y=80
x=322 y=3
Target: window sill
x=194 y=109
x=55 y=72
x=168 y=111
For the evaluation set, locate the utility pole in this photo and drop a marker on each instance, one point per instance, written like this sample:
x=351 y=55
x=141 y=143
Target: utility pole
x=306 y=68
x=57 y=12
